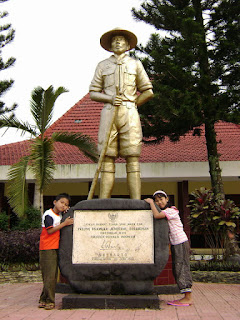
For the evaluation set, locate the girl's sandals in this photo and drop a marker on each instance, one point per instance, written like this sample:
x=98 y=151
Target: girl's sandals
x=41 y=305
x=49 y=306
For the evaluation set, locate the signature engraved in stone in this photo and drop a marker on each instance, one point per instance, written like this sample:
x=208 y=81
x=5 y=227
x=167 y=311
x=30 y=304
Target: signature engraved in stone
x=138 y=248
x=108 y=245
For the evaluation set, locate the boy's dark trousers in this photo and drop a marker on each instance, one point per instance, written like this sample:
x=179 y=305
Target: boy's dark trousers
x=49 y=267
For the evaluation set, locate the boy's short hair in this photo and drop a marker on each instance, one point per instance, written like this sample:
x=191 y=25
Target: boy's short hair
x=63 y=195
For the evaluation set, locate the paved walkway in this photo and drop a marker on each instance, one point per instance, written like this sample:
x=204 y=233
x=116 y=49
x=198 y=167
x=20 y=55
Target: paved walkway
x=19 y=301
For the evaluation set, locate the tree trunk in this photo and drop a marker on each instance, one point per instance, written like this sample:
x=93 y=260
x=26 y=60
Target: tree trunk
x=41 y=203
x=207 y=102
x=38 y=199
x=213 y=160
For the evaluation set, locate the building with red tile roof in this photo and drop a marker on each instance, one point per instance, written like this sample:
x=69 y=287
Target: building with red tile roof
x=84 y=117
x=178 y=167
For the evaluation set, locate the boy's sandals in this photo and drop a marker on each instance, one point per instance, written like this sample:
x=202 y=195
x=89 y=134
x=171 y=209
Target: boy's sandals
x=41 y=305
x=49 y=306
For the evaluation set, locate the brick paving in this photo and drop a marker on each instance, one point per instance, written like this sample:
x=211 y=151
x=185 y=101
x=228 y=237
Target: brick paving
x=212 y=301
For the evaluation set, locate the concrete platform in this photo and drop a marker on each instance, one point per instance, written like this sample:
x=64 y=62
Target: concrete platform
x=163 y=289
x=90 y=301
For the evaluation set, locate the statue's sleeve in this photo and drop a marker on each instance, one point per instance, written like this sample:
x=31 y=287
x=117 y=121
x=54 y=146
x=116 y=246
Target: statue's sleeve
x=97 y=81
x=143 y=81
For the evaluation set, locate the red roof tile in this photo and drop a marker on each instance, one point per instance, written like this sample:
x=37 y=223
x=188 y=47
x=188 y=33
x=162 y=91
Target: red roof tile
x=84 y=117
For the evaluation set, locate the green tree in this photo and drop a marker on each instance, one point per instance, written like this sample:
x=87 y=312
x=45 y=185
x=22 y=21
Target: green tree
x=6 y=36
x=40 y=160
x=195 y=70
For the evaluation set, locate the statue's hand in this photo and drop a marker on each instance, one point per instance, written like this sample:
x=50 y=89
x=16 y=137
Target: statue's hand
x=117 y=100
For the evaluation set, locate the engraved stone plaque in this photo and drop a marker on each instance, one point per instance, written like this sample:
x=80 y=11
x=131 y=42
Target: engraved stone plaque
x=113 y=237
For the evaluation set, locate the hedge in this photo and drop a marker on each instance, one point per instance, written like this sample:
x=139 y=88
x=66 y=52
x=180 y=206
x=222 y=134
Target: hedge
x=19 y=246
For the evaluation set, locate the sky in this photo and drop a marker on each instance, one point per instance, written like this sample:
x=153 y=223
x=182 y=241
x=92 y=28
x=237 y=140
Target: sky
x=57 y=43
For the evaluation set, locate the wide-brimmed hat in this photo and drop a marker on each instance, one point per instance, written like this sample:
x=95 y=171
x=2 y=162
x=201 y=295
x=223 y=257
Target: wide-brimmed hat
x=106 y=38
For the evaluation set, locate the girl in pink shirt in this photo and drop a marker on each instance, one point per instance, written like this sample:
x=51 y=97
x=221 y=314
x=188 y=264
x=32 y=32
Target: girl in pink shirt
x=179 y=245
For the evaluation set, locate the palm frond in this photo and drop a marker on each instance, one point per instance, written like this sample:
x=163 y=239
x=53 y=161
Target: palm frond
x=42 y=163
x=50 y=97
x=12 y=122
x=59 y=91
x=83 y=142
x=42 y=104
x=17 y=187
x=36 y=104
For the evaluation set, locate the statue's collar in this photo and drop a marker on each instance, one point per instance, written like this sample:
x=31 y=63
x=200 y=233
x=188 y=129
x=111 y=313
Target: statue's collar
x=119 y=59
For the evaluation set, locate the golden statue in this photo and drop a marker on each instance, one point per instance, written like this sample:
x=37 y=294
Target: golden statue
x=116 y=82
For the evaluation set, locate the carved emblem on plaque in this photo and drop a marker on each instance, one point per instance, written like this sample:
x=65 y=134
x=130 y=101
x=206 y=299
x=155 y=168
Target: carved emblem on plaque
x=113 y=216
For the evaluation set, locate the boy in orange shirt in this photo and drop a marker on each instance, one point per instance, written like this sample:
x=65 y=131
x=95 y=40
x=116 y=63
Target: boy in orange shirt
x=49 y=244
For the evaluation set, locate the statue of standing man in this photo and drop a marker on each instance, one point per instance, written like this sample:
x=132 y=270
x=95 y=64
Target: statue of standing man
x=116 y=82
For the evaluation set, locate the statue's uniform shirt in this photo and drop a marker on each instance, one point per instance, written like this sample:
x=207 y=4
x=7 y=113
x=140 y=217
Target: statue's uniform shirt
x=129 y=76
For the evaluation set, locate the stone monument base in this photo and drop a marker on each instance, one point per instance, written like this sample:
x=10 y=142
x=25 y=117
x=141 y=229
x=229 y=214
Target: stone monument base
x=119 y=266
x=88 y=301
x=157 y=289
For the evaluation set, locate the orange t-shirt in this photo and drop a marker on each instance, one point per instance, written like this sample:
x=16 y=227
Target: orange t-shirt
x=50 y=219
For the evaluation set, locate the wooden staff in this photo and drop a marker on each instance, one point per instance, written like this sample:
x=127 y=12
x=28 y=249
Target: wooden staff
x=103 y=152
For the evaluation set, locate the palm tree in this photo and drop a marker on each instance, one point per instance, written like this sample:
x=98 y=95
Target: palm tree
x=41 y=154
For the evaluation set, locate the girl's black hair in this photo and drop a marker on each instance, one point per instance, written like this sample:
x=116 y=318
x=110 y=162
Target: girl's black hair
x=159 y=195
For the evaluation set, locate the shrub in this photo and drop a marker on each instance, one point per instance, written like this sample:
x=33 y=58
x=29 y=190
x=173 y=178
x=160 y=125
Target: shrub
x=33 y=266
x=19 y=246
x=32 y=220
x=214 y=266
x=212 y=216
x=4 y=221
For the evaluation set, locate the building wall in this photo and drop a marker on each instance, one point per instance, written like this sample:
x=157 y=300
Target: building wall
x=230 y=187
x=73 y=188
x=148 y=188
